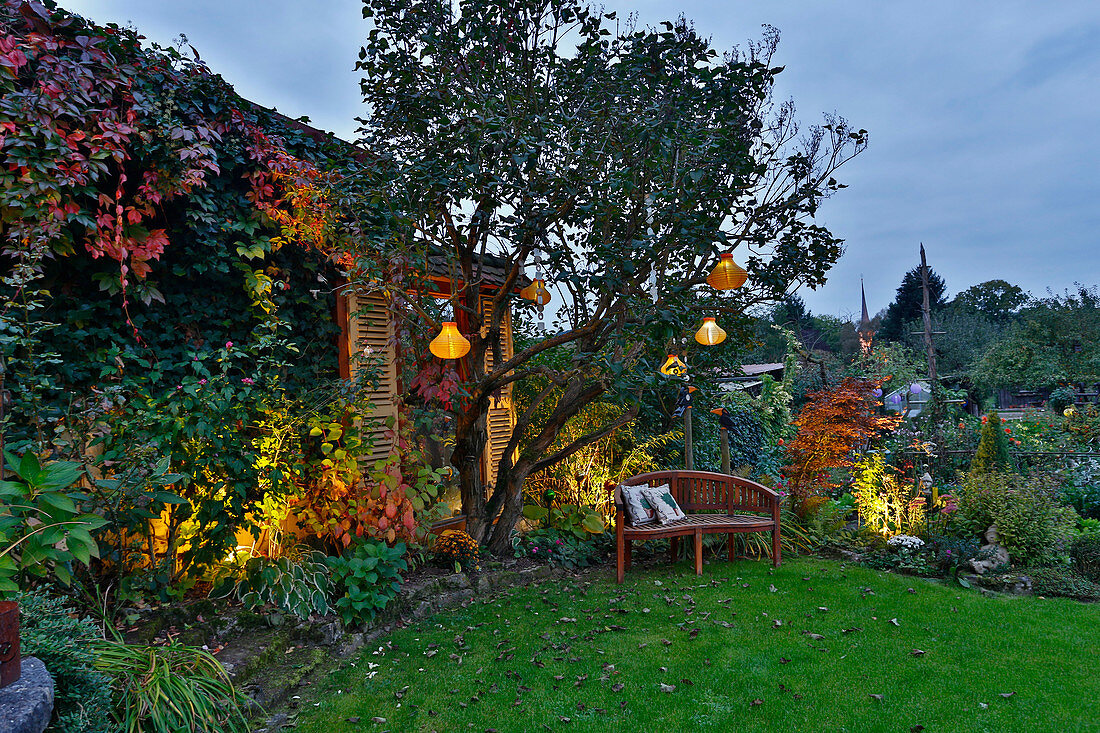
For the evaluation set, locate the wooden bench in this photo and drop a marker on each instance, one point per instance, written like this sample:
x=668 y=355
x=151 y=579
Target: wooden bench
x=715 y=504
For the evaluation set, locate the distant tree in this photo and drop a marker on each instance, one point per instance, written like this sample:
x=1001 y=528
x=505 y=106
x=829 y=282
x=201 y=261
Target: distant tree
x=1057 y=341
x=907 y=303
x=996 y=299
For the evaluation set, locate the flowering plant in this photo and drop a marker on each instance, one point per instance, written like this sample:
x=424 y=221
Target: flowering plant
x=459 y=547
x=905 y=542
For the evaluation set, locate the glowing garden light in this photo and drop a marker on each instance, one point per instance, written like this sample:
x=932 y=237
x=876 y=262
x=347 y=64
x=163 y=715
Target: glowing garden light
x=450 y=344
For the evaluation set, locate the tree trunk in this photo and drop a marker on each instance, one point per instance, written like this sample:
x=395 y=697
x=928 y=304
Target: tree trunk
x=500 y=540
x=471 y=436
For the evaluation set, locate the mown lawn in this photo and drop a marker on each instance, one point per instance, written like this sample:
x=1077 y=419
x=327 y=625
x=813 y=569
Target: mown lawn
x=736 y=646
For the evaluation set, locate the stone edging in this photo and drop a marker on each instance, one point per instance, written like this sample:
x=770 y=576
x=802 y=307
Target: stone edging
x=27 y=704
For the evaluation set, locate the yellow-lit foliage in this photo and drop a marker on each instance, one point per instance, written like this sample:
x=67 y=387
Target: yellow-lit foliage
x=886 y=504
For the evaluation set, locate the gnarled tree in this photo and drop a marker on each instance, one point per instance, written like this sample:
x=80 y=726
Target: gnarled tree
x=629 y=157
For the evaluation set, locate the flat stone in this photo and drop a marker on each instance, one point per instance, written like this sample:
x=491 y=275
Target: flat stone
x=456 y=580
x=27 y=704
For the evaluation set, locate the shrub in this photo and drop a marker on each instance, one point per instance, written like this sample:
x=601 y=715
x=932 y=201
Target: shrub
x=367 y=579
x=887 y=504
x=1085 y=553
x=298 y=583
x=561 y=549
x=52 y=632
x=1060 y=580
x=171 y=688
x=992 y=453
x=1082 y=490
x=1034 y=526
x=1060 y=399
x=459 y=548
x=581 y=521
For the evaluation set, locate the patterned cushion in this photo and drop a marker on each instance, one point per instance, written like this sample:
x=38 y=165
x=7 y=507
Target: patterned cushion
x=661 y=499
x=636 y=506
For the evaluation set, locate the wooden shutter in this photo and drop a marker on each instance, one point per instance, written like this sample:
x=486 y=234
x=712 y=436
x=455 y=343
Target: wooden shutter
x=502 y=416
x=370 y=330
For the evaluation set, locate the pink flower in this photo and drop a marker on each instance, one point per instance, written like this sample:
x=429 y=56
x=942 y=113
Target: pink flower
x=559 y=542
x=534 y=549
x=229 y=344
x=248 y=380
x=202 y=381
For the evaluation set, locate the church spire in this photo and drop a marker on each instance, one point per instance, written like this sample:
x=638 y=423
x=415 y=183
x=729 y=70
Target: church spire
x=866 y=330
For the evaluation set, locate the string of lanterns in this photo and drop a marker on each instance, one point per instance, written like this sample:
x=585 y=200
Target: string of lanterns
x=726 y=275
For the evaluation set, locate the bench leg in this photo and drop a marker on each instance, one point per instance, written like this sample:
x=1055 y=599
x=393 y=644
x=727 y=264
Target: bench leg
x=629 y=553
x=698 y=552
x=733 y=546
x=620 y=572
x=777 y=548
x=673 y=549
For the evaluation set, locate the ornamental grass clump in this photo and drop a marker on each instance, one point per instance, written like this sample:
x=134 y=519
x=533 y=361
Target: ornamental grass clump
x=458 y=547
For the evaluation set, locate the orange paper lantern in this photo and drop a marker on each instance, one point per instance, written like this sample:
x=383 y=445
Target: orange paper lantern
x=727 y=274
x=710 y=333
x=536 y=292
x=450 y=344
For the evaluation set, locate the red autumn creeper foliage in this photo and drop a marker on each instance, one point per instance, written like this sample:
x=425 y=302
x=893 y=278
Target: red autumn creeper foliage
x=831 y=427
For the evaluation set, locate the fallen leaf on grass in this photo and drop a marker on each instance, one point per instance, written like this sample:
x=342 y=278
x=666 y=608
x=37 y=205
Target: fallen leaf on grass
x=756 y=702
x=667 y=688
x=917 y=652
x=815 y=637
x=783 y=660
x=352 y=720
x=876 y=697
x=894 y=621
x=1007 y=695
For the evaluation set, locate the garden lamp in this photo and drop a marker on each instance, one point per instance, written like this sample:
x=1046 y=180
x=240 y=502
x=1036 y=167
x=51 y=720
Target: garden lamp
x=727 y=274
x=449 y=344
x=710 y=333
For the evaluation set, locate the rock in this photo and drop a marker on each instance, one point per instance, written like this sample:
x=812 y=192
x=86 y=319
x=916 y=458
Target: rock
x=483 y=584
x=349 y=644
x=456 y=580
x=424 y=609
x=27 y=704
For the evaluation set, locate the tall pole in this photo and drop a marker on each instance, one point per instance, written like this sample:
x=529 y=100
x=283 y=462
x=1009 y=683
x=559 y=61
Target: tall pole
x=689 y=454
x=724 y=441
x=926 y=312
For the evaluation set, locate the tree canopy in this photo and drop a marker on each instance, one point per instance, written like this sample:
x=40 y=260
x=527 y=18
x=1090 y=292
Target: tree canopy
x=909 y=301
x=628 y=157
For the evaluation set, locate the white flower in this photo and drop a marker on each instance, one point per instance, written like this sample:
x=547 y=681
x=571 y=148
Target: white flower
x=905 y=542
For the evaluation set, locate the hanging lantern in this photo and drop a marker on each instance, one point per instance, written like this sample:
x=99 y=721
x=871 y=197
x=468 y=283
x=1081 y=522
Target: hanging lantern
x=450 y=344
x=727 y=274
x=710 y=333
x=673 y=367
x=536 y=292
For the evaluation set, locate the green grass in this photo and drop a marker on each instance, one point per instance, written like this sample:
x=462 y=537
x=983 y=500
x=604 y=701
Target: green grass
x=717 y=640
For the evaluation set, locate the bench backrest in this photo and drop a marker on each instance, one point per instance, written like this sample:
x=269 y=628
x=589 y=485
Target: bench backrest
x=700 y=492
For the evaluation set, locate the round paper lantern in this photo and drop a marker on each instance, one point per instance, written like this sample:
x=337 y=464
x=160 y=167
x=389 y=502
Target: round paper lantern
x=727 y=274
x=710 y=333
x=876 y=392
x=450 y=344
x=914 y=388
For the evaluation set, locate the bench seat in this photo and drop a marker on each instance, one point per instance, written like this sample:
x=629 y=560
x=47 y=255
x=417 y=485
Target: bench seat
x=714 y=503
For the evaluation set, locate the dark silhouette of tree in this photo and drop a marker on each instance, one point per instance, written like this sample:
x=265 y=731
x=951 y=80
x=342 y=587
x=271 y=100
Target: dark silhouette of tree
x=907 y=304
x=995 y=299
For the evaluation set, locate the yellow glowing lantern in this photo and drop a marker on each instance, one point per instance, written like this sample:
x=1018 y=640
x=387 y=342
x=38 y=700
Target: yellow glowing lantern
x=727 y=274
x=536 y=292
x=450 y=344
x=710 y=333
x=673 y=367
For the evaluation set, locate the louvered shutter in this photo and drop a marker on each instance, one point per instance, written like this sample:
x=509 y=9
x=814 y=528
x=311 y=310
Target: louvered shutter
x=502 y=417
x=370 y=330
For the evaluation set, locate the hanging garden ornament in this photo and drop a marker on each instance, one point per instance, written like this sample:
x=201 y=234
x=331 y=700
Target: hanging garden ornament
x=673 y=367
x=710 y=333
x=450 y=344
x=727 y=274
x=536 y=292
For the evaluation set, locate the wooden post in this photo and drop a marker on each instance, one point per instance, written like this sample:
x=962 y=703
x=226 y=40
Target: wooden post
x=689 y=457
x=724 y=440
x=926 y=312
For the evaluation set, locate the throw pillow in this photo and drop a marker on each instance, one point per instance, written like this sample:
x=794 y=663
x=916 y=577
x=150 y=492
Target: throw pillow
x=636 y=507
x=662 y=500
